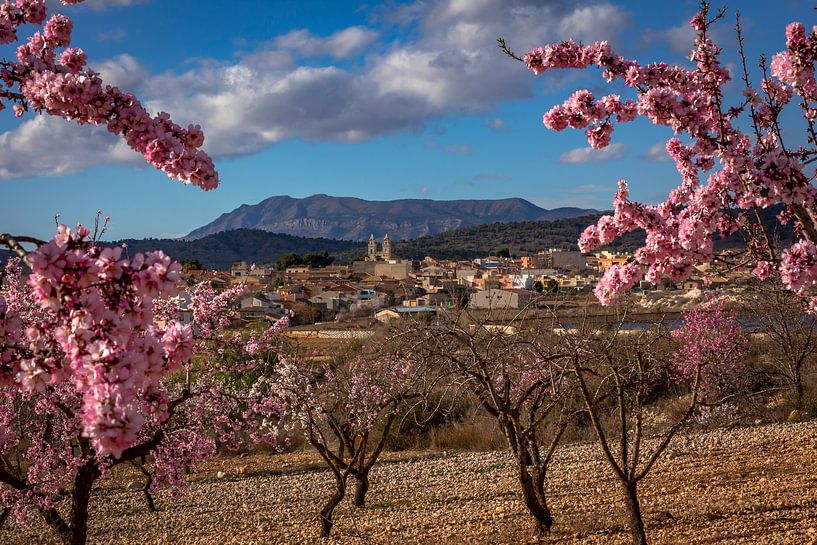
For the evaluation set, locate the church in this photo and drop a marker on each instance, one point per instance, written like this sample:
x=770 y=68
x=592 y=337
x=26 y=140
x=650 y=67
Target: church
x=384 y=254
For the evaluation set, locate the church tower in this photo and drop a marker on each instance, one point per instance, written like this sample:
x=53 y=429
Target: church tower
x=386 y=248
x=372 y=247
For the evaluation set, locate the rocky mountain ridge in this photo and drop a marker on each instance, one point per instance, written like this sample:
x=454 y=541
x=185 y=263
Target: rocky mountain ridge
x=350 y=218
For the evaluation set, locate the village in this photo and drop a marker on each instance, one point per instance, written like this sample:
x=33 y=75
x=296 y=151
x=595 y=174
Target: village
x=385 y=287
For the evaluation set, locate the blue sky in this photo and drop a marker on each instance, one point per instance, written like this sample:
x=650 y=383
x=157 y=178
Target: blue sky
x=379 y=100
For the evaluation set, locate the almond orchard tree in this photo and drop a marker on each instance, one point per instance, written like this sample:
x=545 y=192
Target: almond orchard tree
x=346 y=412
x=185 y=394
x=733 y=160
x=519 y=372
x=617 y=372
x=790 y=337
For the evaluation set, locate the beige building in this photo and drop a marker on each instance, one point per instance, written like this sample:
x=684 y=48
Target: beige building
x=501 y=298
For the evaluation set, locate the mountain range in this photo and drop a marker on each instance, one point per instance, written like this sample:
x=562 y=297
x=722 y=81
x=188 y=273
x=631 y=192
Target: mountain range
x=349 y=218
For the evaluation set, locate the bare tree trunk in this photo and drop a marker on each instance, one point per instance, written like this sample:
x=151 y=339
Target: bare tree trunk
x=637 y=531
x=534 y=499
x=798 y=391
x=337 y=497
x=75 y=533
x=361 y=487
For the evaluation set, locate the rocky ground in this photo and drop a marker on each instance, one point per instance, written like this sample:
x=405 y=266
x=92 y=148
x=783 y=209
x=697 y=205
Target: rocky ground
x=749 y=485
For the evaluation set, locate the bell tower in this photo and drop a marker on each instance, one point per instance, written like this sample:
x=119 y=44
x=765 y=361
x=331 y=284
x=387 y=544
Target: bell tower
x=386 y=248
x=372 y=247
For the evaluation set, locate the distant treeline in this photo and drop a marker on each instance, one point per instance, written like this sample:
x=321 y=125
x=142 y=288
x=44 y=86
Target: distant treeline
x=518 y=238
x=221 y=250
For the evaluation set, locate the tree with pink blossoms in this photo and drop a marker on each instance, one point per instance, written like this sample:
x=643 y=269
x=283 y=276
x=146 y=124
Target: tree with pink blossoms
x=94 y=373
x=733 y=160
x=48 y=76
x=346 y=411
x=711 y=349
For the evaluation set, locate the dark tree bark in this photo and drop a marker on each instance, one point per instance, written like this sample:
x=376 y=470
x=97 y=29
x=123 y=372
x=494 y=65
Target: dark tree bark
x=361 y=487
x=329 y=508
x=534 y=496
x=148 y=495
x=83 y=484
x=75 y=533
x=637 y=531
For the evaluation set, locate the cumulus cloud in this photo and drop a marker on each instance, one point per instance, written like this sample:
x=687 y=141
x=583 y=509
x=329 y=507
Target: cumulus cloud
x=680 y=38
x=445 y=63
x=589 y=155
x=22 y=152
x=589 y=23
x=344 y=43
x=123 y=70
x=657 y=152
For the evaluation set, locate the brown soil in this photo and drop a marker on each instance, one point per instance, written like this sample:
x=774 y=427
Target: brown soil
x=750 y=485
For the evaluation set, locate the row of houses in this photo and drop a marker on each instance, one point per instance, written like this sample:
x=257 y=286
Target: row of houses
x=402 y=287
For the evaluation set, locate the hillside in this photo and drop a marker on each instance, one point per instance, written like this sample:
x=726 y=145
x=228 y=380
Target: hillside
x=518 y=237
x=349 y=218
x=220 y=250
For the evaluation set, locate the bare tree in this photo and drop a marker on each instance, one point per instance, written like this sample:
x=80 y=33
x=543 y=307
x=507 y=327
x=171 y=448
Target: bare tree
x=512 y=364
x=791 y=334
x=618 y=371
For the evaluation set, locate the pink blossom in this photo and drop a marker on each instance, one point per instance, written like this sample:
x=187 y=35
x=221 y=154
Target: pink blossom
x=725 y=170
x=615 y=281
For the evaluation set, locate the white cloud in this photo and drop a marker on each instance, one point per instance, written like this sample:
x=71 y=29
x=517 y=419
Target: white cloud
x=589 y=23
x=589 y=155
x=657 y=152
x=592 y=188
x=342 y=44
x=123 y=70
x=680 y=38
x=44 y=146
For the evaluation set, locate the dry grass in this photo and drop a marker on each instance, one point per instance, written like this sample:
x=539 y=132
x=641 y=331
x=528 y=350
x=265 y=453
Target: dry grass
x=478 y=434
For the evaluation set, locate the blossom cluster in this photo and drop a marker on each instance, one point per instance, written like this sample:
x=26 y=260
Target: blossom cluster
x=96 y=331
x=711 y=348
x=355 y=393
x=744 y=170
x=62 y=85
